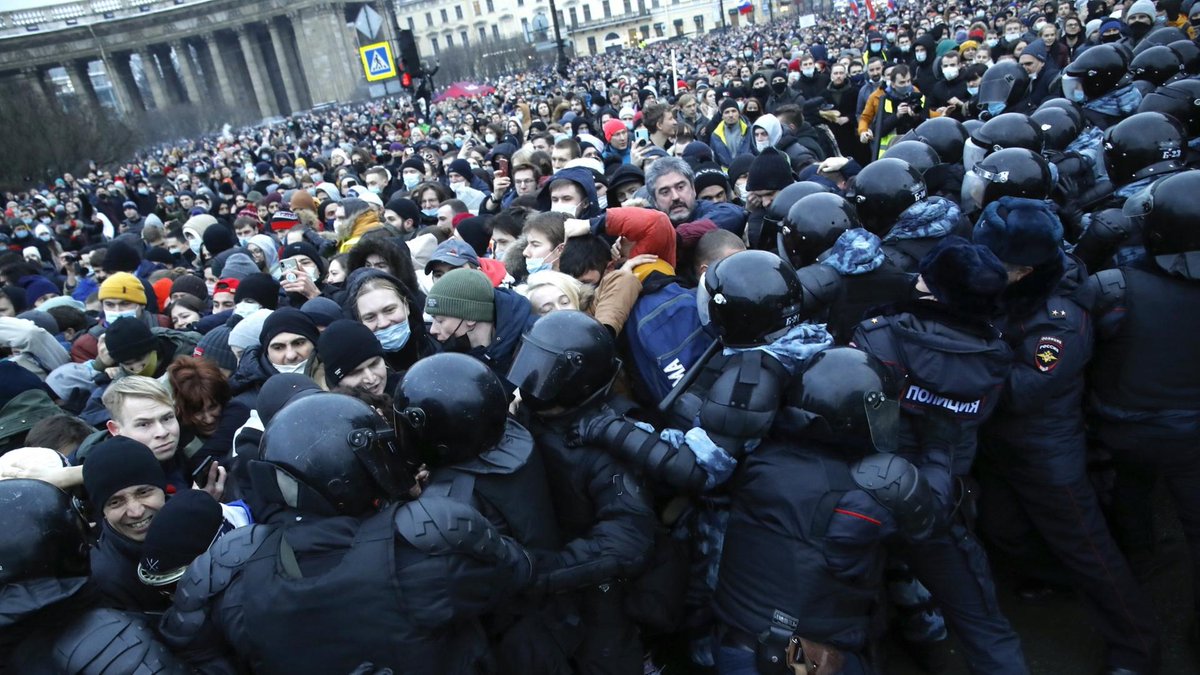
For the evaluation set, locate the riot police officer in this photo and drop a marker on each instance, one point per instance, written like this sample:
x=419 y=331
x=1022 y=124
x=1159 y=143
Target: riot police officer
x=1143 y=403
x=454 y=411
x=1038 y=505
x=1094 y=81
x=564 y=369
x=377 y=578
x=954 y=364
x=803 y=561
x=51 y=618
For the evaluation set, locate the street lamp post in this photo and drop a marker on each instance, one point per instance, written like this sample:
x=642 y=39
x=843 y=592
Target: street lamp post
x=561 y=66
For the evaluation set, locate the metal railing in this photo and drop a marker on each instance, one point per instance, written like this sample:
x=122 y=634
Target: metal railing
x=70 y=14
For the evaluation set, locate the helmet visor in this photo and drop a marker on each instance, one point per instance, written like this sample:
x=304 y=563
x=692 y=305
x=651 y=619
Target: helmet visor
x=995 y=91
x=883 y=419
x=542 y=373
x=703 y=297
x=971 y=198
x=387 y=458
x=1072 y=88
x=972 y=155
x=1139 y=204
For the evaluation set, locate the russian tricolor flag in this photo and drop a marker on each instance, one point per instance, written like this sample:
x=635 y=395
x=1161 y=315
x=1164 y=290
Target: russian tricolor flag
x=854 y=7
x=870 y=10
x=891 y=6
x=746 y=7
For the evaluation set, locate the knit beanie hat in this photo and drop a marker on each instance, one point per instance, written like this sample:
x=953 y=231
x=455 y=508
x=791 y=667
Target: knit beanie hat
x=162 y=292
x=463 y=294
x=259 y=287
x=305 y=249
x=128 y=339
x=282 y=221
x=183 y=529
x=43 y=320
x=612 y=128
x=966 y=277
x=1141 y=7
x=238 y=266
x=219 y=238
x=117 y=463
x=214 y=346
x=697 y=152
x=461 y=167
x=121 y=256
x=192 y=285
x=36 y=286
x=726 y=104
x=281 y=389
x=415 y=163
x=343 y=347
x=322 y=311
x=709 y=174
x=404 y=207
x=1020 y=231
x=740 y=166
x=248 y=332
x=123 y=286
x=288 y=320
x=476 y=233
x=771 y=170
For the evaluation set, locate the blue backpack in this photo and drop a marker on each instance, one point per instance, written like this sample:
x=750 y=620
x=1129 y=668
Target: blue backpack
x=664 y=336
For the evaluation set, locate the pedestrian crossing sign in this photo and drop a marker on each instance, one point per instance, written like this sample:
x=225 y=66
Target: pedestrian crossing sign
x=377 y=61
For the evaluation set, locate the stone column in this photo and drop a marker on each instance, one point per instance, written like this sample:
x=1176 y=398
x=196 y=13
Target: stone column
x=183 y=53
x=285 y=66
x=30 y=79
x=317 y=65
x=158 y=89
x=126 y=103
x=345 y=73
x=81 y=83
x=123 y=71
x=221 y=67
x=262 y=88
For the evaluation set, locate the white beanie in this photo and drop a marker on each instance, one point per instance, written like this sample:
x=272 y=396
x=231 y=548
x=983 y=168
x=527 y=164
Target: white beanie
x=248 y=332
x=1141 y=7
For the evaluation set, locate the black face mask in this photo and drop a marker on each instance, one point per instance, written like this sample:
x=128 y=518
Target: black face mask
x=778 y=87
x=760 y=93
x=1138 y=30
x=457 y=344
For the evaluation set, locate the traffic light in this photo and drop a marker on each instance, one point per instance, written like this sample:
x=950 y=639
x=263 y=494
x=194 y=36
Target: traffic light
x=406 y=80
x=409 y=54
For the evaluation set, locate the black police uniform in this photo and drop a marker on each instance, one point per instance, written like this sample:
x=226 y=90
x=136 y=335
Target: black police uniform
x=1144 y=402
x=804 y=550
x=954 y=369
x=608 y=526
x=1037 y=503
x=401 y=589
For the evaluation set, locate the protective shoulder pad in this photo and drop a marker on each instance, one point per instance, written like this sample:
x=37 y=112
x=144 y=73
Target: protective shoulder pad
x=112 y=641
x=1111 y=226
x=744 y=398
x=441 y=526
x=898 y=486
x=1103 y=292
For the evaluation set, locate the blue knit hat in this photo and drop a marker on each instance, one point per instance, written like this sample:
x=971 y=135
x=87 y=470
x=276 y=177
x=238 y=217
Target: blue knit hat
x=966 y=277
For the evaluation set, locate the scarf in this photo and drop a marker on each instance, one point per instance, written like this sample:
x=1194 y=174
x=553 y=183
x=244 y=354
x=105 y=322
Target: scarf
x=1117 y=103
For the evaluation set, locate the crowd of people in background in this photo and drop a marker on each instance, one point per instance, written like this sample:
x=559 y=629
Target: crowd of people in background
x=746 y=353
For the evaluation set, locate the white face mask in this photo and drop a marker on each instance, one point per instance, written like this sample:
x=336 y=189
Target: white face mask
x=111 y=317
x=246 y=307
x=950 y=72
x=808 y=72
x=602 y=202
x=569 y=209
x=762 y=145
x=295 y=368
x=489 y=138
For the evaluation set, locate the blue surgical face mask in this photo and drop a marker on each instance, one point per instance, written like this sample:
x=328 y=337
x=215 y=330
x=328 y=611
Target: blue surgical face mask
x=921 y=56
x=903 y=91
x=1078 y=96
x=972 y=90
x=195 y=245
x=170 y=199
x=411 y=181
x=394 y=337
x=432 y=213
x=533 y=265
x=995 y=108
x=111 y=317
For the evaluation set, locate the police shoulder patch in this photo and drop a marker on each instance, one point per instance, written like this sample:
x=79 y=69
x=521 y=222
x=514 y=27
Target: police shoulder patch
x=1047 y=353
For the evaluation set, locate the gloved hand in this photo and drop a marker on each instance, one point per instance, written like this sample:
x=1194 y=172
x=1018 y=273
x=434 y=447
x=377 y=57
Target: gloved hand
x=590 y=430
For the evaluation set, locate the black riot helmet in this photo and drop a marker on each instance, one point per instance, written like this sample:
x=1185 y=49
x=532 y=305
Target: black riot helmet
x=853 y=397
x=331 y=455
x=1011 y=172
x=1170 y=218
x=883 y=190
x=1058 y=127
x=780 y=206
x=751 y=298
x=1179 y=99
x=42 y=532
x=945 y=135
x=813 y=225
x=919 y=154
x=1002 y=86
x=1189 y=55
x=566 y=359
x=452 y=407
x=1066 y=106
x=1159 y=35
x=1158 y=64
x=1141 y=145
x=1094 y=73
x=1010 y=130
